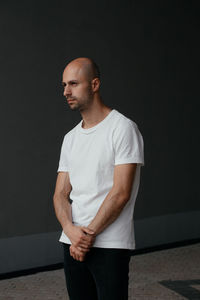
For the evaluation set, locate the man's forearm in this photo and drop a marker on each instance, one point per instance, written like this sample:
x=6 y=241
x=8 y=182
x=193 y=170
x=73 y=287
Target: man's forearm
x=79 y=236
x=63 y=209
x=108 y=211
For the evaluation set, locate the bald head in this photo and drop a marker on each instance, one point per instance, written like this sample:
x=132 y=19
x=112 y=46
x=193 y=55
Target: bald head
x=86 y=66
x=81 y=83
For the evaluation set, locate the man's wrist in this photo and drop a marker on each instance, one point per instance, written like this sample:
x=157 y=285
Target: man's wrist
x=94 y=233
x=91 y=227
x=68 y=227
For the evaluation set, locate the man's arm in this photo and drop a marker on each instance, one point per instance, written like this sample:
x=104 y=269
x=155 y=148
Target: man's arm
x=116 y=198
x=61 y=200
x=80 y=237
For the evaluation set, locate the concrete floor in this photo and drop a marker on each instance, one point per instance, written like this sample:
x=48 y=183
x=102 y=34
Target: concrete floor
x=166 y=274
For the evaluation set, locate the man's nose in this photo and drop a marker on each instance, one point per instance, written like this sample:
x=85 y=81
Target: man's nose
x=67 y=91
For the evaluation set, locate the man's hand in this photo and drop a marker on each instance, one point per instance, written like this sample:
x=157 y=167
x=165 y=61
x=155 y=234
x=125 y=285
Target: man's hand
x=81 y=238
x=77 y=254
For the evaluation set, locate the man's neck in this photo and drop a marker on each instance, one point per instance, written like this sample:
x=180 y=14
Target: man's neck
x=94 y=115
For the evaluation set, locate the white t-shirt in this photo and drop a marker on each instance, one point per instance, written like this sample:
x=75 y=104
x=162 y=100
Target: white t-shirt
x=90 y=155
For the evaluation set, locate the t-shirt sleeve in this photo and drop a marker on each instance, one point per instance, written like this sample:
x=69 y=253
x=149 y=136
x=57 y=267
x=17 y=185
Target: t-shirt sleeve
x=63 y=162
x=128 y=144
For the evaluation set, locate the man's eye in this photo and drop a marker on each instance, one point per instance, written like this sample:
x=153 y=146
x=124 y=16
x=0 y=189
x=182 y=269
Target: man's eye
x=74 y=83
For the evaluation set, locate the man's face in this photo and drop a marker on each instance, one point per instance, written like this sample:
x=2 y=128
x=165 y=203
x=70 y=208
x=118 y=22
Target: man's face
x=77 y=88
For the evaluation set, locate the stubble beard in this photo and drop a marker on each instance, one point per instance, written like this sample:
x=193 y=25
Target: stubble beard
x=82 y=104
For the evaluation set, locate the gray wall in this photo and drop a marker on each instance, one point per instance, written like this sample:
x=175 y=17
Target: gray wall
x=148 y=55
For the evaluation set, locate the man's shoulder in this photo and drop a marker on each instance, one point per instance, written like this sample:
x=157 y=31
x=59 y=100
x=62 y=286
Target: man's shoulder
x=122 y=121
x=72 y=132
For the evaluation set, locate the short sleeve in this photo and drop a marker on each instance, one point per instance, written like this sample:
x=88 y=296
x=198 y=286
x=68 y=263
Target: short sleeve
x=63 y=162
x=128 y=144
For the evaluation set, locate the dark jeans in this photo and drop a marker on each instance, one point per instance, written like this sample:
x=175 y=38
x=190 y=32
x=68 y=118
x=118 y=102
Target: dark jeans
x=102 y=276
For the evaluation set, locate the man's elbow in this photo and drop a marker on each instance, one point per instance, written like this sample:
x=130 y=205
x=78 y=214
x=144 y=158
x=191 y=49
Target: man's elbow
x=122 y=198
x=60 y=196
x=57 y=197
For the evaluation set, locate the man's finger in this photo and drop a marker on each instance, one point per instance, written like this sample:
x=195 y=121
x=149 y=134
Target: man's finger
x=84 y=250
x=86 y=240
x=85 y=246
x=70 y=250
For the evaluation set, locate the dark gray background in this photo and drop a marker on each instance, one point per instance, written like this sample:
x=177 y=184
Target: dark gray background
x=148 y=53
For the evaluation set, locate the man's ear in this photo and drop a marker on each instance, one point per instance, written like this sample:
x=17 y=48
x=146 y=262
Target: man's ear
x=95 y=84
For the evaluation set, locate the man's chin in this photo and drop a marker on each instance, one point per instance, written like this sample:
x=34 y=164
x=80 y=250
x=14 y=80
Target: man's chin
x=75 y=108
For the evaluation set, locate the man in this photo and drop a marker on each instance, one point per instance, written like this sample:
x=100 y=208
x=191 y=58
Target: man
x=96 y=188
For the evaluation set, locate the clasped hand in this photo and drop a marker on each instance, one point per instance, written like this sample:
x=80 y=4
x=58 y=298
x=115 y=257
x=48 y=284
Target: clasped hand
x=82 y=239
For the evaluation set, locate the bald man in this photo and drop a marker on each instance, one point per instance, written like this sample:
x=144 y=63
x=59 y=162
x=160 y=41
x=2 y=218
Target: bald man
x=96 y=189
